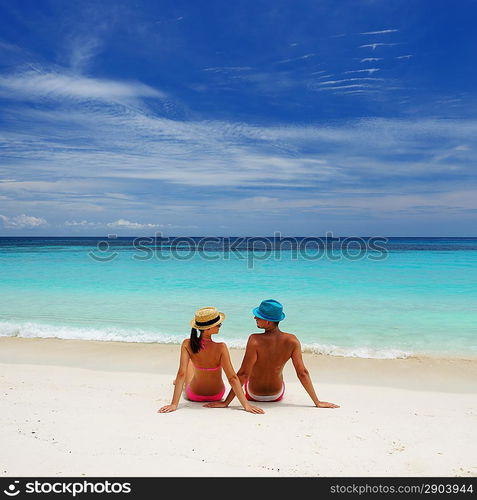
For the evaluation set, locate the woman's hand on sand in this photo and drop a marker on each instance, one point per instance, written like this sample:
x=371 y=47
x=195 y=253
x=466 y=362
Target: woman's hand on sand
x=216 y=404
x=167 y=409
x=253 y=409
x=325 y=404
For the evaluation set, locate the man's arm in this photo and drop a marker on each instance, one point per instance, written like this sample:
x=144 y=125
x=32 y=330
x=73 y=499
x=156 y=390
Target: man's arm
x=243 y=374
x=305 y=379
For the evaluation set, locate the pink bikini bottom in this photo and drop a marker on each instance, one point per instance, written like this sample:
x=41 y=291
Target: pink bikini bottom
x=197 y=397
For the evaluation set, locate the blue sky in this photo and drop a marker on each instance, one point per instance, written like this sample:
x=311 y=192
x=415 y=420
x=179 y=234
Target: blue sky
x=238 y=118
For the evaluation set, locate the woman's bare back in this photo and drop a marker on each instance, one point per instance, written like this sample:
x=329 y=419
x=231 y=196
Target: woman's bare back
x=206 y=371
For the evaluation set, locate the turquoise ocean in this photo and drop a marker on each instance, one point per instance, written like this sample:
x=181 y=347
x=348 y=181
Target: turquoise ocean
x=410 y=296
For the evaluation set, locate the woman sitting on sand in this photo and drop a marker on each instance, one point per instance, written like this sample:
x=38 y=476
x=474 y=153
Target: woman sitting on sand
x=201 y=363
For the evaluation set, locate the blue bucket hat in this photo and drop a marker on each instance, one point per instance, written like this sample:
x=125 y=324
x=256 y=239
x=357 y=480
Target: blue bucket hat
x=269 y=310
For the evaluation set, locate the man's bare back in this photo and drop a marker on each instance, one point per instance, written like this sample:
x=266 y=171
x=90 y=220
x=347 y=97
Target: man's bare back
x=272 y=351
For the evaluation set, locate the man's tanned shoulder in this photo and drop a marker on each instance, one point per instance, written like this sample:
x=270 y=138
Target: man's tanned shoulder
x=292 y=338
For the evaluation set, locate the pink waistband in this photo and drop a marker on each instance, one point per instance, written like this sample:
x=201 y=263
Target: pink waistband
x=197 y=397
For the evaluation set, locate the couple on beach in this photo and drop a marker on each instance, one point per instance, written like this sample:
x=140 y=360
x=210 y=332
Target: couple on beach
x=202 y=361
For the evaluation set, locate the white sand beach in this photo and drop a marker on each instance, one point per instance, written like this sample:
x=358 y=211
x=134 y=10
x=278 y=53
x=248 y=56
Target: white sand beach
x=88 y=408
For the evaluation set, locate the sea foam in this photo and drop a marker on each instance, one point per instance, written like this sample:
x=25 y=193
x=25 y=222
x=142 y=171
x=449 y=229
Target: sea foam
x=113 y=334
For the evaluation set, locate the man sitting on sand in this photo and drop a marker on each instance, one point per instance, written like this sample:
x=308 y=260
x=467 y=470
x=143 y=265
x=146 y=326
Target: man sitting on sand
x=266 y=355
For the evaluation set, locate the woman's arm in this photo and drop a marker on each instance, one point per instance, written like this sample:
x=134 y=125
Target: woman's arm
x=180 y=377
x=243 y=374
x=305 y=379
x=235 y=382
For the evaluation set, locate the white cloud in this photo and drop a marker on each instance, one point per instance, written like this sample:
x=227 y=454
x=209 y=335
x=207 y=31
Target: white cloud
x=125 y=224
x=379 y=32
x=132 y=146
x=34 y=84
x=128 y=152
x=228 y=68
x=374 y=45
x=371 y=59
x=22 y=221
x=83 y=224
x=306 y=56
x=120 y=224
x=332 y=82
x=367 y=70
x=9 y=47
x=82 y=51
x=356 y=201
x=341 y=87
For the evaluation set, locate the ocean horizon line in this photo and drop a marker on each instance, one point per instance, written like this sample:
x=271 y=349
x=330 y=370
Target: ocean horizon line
x=236 y=236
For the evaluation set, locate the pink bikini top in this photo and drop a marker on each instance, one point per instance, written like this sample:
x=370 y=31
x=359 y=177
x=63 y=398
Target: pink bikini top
x=206 y=369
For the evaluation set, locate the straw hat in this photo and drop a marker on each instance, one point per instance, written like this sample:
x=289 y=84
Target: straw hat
x=207 y=317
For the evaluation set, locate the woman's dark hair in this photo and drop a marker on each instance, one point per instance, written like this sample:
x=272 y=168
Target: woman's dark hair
x=195 y=340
